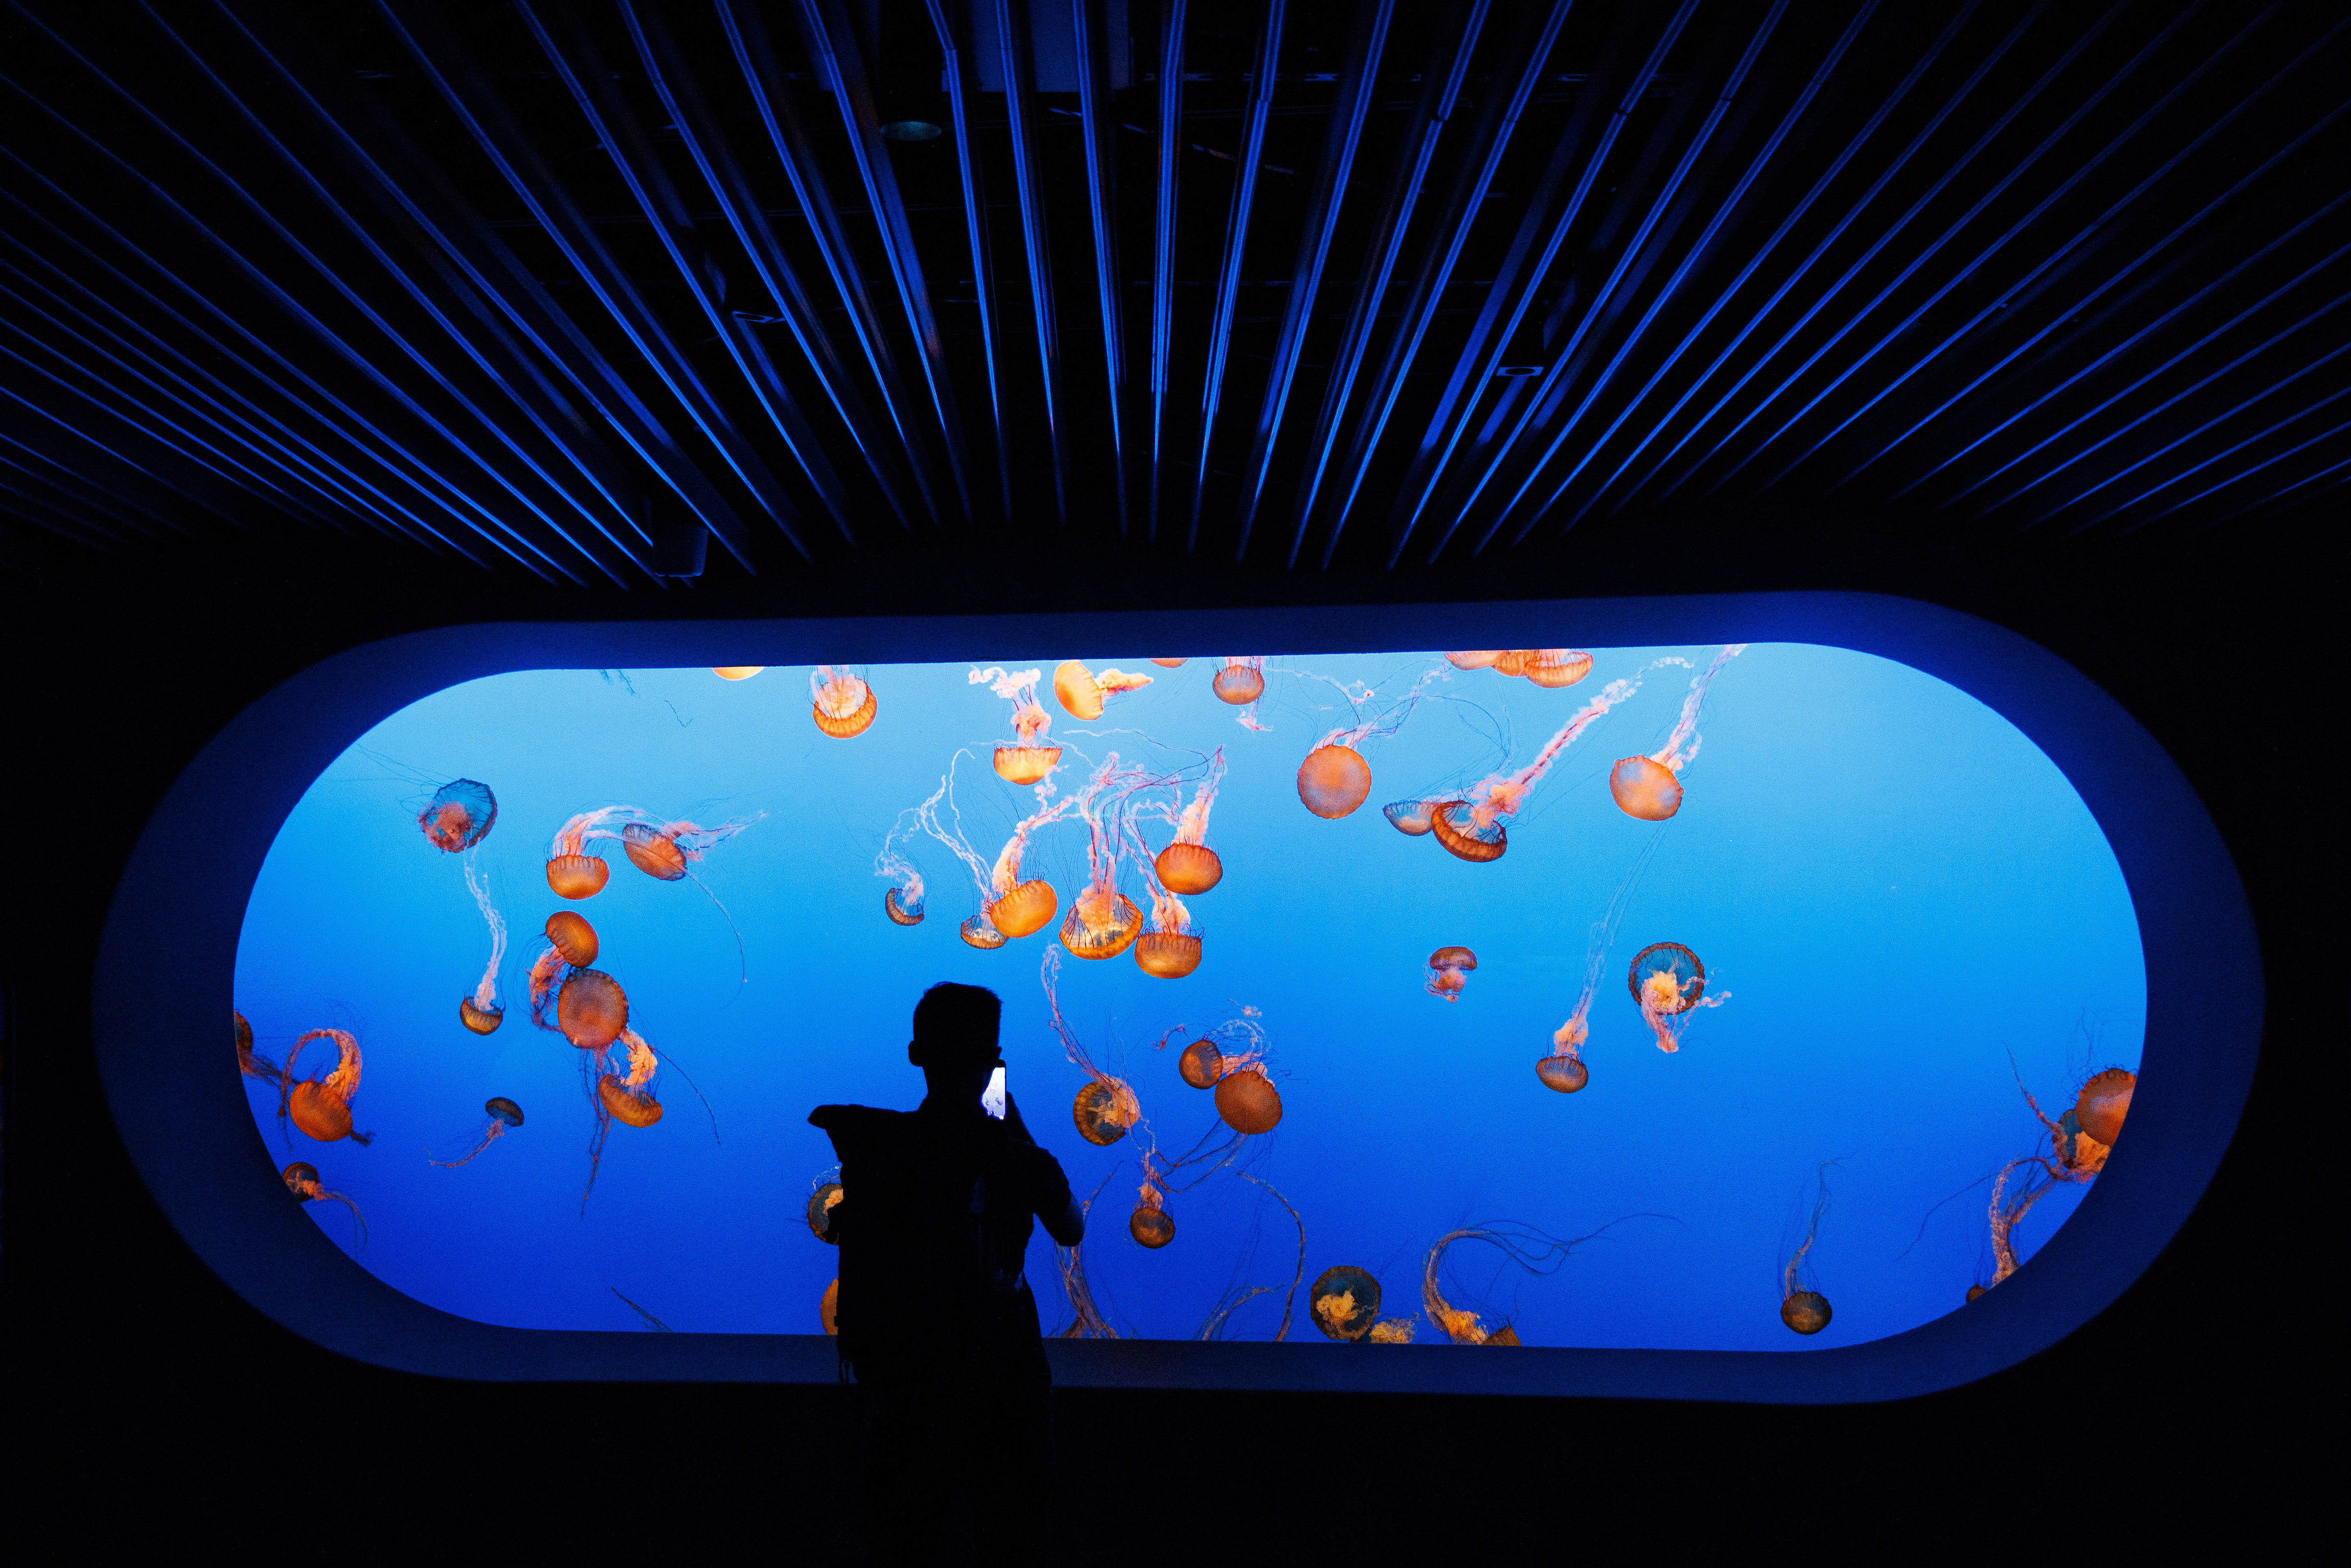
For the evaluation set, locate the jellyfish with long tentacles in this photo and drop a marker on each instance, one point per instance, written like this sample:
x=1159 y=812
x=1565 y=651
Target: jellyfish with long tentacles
x=844 y=704
x=1086 y=1321
x=628 y=1097
x=504 y=1113
x=1102 y=922
x=1016 y=907
x=1334 y=778
x=1650 y=788
x=249 y=1061
x=1447 y=973
x=321 y=1107
x=1169 y=949
x=1345 y=1302
x=1240 y=679
x=667 y=851
x=571 y=870
x=1083 y=691
x=459 y=816
x=1106 y=1107
x=1029 y=757
x=902 y=904
x=977 y=930
x=1474 y=828
x=1802 y=1306
x=483 y=1012
x=1530 y=1248
x=301 y=1179
x=1188 y=865
x=2075 y=1155
x=1669 y=984
x=1565 y=1068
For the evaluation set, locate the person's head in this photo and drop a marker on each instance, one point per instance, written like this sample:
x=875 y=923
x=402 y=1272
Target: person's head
x=955 y=1041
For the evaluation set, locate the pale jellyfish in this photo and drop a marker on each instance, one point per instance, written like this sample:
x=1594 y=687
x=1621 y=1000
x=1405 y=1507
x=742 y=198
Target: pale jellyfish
x=301 y=1179
x=1649 y=788
x=482 y=1012
x=1029 y=757
x=1083 y=691
x=1802 y=1306
x=1670 y=983
x=1448 y=972
x=1473 y=828
x=844 y=703
x=1240 y=680
x=904 y=902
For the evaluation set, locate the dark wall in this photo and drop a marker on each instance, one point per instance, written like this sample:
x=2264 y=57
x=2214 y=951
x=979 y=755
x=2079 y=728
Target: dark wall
x=137 y=1372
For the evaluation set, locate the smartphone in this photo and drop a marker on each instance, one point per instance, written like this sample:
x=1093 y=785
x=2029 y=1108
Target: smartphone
x=991 y=1099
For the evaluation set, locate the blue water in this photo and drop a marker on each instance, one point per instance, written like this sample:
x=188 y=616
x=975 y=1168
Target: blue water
x=1898 y=892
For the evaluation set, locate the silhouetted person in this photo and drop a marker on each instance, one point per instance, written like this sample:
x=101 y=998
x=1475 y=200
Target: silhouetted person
x=934 y=1312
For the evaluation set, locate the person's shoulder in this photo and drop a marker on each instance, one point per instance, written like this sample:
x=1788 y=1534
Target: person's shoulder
x=853 y=1118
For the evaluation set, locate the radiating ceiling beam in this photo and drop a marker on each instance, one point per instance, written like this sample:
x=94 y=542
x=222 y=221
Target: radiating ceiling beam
x=1090 y=37
x=1020 y=112
x=951 y=19
x=1163 y=214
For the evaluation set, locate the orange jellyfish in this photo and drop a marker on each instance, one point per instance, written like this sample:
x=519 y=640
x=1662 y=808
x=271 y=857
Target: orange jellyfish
x=978 y=931
x=2080 y=1140
x=248 y=1062
x=2099 y=1109
x=1345 y=1302
x=1188 y=865
x=828 y=1308
x=571 y=870
x=321 y=1107
x=1802 y=1306
x=1557 y=667
x=1029 y=757
x=1449 y=971
x=1102 y=922
x=503 y=1113
x=1650 y=788
x=1106 y=1107
x=666 y=851
x=301 y=1179
x=459 y=816
x=1474 y=659
x=845 y=704
x=1241 y=680
x=1670 y=983
x=592 y=1010
x=627 y=1097
x=1460 y=1324
x=573 y=938
x=482 y=1012
x=1018 y=907
x=1473 y=828
x=824 y=1197
x=1083 y=692
x=1247 y=1099
x=1565 y=1068
x=736 y=672
x=1151 y=1225
x=1169 y=663
x=1334 y=778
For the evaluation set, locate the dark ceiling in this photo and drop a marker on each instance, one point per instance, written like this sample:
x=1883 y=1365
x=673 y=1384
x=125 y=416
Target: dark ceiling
x=552 y=288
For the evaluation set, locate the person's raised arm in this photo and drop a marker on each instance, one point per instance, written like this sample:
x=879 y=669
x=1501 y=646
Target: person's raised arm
x=1066 y=1225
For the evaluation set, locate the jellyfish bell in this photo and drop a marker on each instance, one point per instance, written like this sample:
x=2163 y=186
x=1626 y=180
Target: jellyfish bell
x=1448 y=972
x=1201 y=1064
x=1248 y=1101
x=573 y=938
x=1667 y=977
x=736 y=672
x=592 y=1010
x=820 y=1205
x=1345 y=1302
x=1334 y=780
x=1026 y=764
x=828 y=1308
x=301 y=1179
x=653 y=852
x=578 y=876
x=1151 y=1226
x=1474 y=660
x=504 y=1109
x=980 y=934
x=1565 y=1073
x=321 y=1107
x=1409 y=817
x=459 y=816
x=1975 y=1291
x=1167 y=955
x=1188 y=868
x=900 y=912
x=1027 y=908
x=1170 y=663
x=1645 y=788
x=1103 y=1111
x=1239 y=685
x=845 y=704
x=630 y=1107
x=2104 y=1102
x=1099 y=926
x=479 y=1019
x=1457 y=830
x=1806 y=1312
x=1557 y=667
x=1083 y=692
